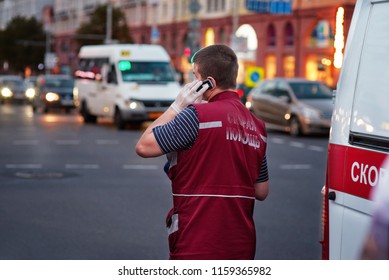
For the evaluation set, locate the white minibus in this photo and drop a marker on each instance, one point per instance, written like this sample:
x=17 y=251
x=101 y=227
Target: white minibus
x=126 y=82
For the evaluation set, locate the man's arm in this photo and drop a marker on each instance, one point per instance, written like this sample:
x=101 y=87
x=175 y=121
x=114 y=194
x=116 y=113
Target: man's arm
x=261 y=190
x=147 y=145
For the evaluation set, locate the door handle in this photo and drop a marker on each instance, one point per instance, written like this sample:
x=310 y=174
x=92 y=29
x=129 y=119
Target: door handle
x=332 y=195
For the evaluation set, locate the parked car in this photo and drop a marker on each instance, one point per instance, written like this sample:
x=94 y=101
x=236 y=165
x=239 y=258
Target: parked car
x=11 y=88
x=54 y=91
x=297 y=106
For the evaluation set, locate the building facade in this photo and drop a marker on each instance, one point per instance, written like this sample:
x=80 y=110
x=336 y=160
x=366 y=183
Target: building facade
x=10 y=9
x=307 y=43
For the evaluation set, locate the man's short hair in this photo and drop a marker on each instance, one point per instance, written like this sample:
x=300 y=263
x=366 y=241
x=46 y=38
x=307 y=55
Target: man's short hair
x=219 y=62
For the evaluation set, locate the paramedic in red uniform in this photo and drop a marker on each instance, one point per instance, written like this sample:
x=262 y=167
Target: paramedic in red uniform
x=217 y=154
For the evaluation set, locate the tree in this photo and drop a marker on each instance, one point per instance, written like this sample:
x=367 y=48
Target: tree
x=22 y=44
x=86 y=33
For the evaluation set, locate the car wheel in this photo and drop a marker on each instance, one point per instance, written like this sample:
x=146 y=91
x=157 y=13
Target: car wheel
x=118 y=119
x=88 y=118
x=294 y=127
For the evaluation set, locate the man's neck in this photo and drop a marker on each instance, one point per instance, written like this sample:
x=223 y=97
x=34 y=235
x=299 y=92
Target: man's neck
x=216 y=91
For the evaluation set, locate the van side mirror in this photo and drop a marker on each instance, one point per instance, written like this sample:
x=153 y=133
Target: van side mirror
x=111 y=78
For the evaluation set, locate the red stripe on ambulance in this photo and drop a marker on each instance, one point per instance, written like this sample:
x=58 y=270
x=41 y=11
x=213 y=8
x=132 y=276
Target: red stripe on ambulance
x=353 y=170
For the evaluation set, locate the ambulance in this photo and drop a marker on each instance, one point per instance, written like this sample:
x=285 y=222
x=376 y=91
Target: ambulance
x=128 y=83
x=359 y=136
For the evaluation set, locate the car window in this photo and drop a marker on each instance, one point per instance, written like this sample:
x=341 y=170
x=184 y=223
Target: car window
x=268 y=87
x=59 y=83
x=281 y=90
x=309 y=90
x=12 y=83
x=136 y=71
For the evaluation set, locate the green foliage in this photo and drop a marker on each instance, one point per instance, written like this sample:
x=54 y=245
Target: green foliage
x=22 y=43
x=86 y=34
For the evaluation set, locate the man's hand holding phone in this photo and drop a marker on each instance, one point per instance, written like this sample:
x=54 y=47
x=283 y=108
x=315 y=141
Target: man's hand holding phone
x=189 y=94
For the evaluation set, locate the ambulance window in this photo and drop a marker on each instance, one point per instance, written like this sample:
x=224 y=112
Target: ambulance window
x=370 y=116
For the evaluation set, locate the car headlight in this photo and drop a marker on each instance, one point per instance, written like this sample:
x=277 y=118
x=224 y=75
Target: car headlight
x=6 y=92
x=249 y=102
x=30 y=93
x=52 y=96
x=311 y=113
x=133 y=105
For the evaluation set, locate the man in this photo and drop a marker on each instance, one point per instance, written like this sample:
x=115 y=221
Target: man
x=216 y=151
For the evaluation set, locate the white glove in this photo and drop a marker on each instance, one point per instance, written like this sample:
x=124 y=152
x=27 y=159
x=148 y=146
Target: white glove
x=188 y=96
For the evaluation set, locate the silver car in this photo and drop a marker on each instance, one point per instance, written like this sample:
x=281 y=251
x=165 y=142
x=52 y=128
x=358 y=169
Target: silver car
x=297 y=106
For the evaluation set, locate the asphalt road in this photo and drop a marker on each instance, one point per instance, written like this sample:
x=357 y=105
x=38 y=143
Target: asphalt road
x=75 y=191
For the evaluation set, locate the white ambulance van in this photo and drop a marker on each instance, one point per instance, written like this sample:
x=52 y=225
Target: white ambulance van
x=128 y=83
x=359 y=136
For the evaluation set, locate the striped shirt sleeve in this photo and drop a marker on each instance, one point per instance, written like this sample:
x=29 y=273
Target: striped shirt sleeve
x=180 y=133
x=263 y=173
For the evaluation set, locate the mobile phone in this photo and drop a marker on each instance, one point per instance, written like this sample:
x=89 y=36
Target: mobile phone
x=205 y=82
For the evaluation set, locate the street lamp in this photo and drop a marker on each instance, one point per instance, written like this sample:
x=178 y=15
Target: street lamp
x=108 y=33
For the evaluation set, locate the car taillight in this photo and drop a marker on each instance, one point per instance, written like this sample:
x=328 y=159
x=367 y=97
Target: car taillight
x=325 y=253
x=240 y=93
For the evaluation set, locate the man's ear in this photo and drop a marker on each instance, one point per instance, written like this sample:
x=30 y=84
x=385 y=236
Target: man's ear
x=213 y=81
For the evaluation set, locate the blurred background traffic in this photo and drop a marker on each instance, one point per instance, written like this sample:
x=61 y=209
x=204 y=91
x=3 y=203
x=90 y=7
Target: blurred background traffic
x=278 y=38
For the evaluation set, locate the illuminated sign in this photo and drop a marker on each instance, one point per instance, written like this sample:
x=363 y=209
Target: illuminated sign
x=339 y=38
x=253 y=76
x=124 y=65
x=270 y=6
x=125 y=53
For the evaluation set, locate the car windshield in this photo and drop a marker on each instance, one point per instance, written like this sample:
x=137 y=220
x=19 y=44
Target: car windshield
x=59 y=83
x=146 y=71
x=12 y=83
x=311 y=90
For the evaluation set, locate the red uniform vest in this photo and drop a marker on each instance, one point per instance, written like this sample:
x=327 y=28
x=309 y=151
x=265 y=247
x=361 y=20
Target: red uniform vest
x=213 y=184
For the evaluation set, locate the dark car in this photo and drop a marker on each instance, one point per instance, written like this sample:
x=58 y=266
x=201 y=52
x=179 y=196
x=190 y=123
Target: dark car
x=54 y=91
x=297 y=106
x=11 y=89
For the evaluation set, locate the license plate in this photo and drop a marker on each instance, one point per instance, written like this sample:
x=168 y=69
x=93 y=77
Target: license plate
x=155 y=115
x=67 y=102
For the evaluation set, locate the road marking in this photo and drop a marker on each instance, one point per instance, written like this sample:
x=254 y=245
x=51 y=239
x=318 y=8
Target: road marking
x=316 y=148
x=140 y=166
x=82 y=166
x=25 y=142
x=106 y=142
x=295 y=166
x=297 y=144
x=24 y=166
x=67 y=142
x=277 y=140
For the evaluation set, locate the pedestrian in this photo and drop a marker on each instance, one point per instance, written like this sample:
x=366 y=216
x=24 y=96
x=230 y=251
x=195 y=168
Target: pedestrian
x=376 y=244
x=217 y=162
